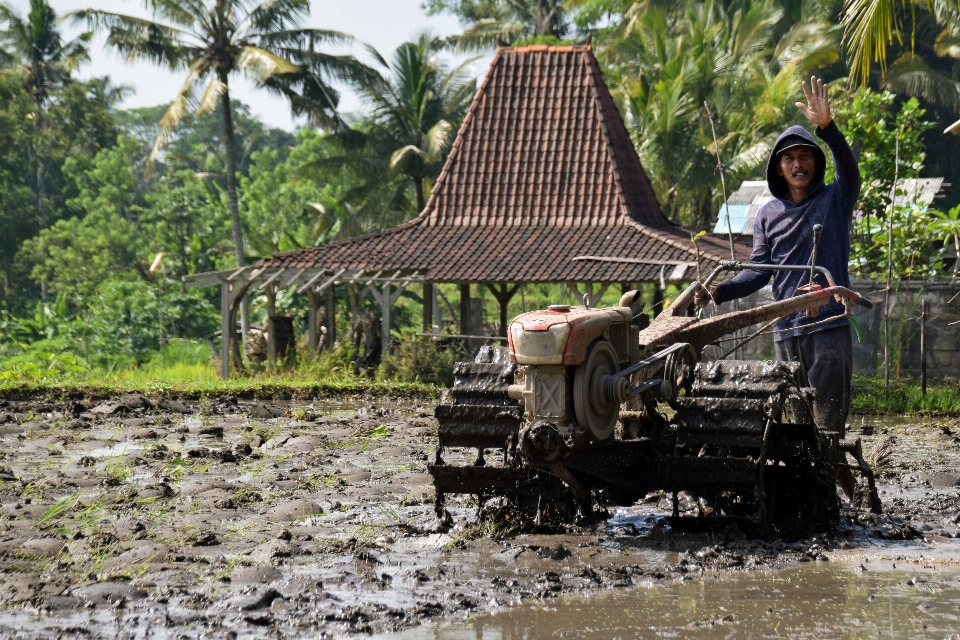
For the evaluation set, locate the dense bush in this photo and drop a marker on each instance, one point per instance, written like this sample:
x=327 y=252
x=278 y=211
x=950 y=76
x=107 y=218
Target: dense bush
x=129 y=321
x=417 y=359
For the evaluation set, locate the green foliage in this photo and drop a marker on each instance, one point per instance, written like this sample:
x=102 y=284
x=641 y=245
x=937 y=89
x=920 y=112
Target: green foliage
x=875 y=132
x=76 y=124
x=188 y=222
x=102 y=240
x=33 y=43
x=946 y=228
x=886 y=145
x=39 y=366
x=513 y=21
x=416 y=359
x=126 y=322
x=48 y=321
x=111 y=184
x=284 y=210
x=79 y=253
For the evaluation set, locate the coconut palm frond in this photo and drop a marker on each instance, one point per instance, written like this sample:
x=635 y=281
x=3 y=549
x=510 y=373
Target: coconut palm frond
x=183 y=103
x=911 y=75
x=869 y=28
x=141 y=39
x=262 y=64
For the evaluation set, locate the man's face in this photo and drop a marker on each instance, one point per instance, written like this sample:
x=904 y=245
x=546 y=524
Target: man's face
x=798 y=166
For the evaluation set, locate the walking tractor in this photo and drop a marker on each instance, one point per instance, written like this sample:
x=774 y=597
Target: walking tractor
x=585 y=410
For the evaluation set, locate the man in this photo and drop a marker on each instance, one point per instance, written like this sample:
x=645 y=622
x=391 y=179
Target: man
x=783 y=234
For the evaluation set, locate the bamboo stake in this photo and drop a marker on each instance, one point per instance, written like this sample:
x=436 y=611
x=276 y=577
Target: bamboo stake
x=726 y=207
x=923 y=347
x=886 y=297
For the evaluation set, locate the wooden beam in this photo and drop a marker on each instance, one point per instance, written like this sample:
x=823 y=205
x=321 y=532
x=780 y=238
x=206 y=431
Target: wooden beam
x=292 y=278
x=385 y=298
x=326 y=284
x=236 y=299
x=651 y=262
x=603 y=289
x=266 y=283
x=236 y=273
x=206 y=279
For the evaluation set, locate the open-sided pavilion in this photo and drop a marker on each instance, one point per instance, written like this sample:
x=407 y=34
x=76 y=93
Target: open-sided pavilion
x=542 y=184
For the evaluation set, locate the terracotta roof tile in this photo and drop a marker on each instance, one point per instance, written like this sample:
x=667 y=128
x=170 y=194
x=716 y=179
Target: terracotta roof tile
x=542 y=170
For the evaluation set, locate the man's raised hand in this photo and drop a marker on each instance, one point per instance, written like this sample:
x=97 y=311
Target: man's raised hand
x=817 y=108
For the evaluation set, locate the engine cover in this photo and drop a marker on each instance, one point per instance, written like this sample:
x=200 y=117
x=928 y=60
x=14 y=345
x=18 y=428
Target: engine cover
x=561 y=335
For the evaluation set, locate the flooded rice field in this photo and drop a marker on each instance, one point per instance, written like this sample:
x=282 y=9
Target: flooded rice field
x=138 y=517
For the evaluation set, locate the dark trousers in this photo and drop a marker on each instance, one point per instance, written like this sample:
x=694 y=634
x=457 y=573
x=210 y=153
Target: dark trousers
x=826 y=361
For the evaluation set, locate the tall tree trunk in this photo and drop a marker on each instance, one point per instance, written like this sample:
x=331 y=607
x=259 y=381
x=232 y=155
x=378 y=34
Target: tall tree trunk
x=418 y=185
x=33 y=152
x=230 y=150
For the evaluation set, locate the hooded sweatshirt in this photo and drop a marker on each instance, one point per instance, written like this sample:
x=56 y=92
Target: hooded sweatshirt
x=783 y=232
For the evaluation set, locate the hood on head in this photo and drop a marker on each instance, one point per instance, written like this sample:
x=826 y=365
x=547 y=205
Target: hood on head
x=776 y=183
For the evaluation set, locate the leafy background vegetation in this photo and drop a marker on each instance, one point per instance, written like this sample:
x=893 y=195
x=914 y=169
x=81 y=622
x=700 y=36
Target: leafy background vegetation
x=91 y=193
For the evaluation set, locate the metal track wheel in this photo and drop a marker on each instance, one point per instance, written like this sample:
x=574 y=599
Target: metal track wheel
x=595 y=415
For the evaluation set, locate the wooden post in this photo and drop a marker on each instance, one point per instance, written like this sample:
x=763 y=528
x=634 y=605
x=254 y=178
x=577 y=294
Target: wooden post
x=503 y=296
x=923 y=347
x=503 y=300
x=385 y=319
x=331 y=305
x=465 y=309
x=427 y=307
x=312 y=319
x=385 y=297
x=271 y=311
x=226 y=331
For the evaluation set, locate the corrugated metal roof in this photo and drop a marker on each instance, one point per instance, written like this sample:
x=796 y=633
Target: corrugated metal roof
x=744 y=204
x=918 y=191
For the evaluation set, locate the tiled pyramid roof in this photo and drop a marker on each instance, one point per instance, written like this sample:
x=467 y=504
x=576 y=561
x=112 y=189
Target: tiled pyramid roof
x=542 y=171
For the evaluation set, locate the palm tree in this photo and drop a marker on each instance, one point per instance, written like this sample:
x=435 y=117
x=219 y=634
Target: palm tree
x=872 y=27
x=212 y=40
x=506 y=20
x=417 y=107
x=33 y=47
x=929 y=69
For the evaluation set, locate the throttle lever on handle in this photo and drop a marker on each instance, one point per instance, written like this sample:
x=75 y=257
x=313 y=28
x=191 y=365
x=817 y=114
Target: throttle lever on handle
x=817 y=230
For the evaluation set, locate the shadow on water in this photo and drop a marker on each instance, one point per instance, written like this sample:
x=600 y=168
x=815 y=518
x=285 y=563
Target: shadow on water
x=815 y=600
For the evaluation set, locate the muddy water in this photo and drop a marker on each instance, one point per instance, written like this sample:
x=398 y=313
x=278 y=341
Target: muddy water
x=839 y=599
